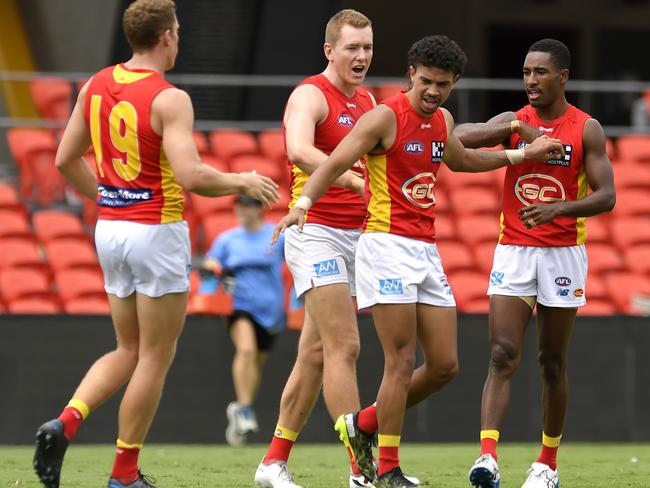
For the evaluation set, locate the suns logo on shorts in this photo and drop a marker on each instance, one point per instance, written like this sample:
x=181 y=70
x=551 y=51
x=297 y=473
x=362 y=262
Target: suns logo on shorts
x=391 y=286
x=536 y=187
x=419 y=190
x=345 y=120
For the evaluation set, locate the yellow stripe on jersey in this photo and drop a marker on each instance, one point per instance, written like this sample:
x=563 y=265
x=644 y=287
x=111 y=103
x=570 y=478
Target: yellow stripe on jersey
x=299 y=180
x=172 y=210
x=501 y=227
x=583 y=188
x=379 y=207
x=125 y=77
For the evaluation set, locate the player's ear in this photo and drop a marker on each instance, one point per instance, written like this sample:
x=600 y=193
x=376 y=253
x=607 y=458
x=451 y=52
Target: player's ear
x=327 y=49
x=564 y=75
x=411 y=73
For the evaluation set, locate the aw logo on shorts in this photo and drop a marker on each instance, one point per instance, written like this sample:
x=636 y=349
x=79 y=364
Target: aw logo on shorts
x=391 y=286
x=329 y=267
x=414 y=147
x=345 y=120
x=496 y=278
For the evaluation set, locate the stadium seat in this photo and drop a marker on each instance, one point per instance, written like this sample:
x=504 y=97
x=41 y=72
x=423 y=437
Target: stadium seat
x=623 y=286
x=597 y=229
x=630 y=231
x=275 y=215
x=484 y=256
x=596 y=287
x=468 y=286
x=56 y=224
x=36 y=306
x=261 y=164
x=610 y=148
x=443 y=205
x=474 y=201
x=88 y=306
x=79 y=283
x=388 y=90
x=69 y=253
x=20 y=252
x=630 y=176
x=212 y=304
x=597 y=307
x=215 y=162
x=14 y=224
x=9 y=199
x=445 y=228
x=52 y=97
x=603 y=258
x=201 y=142
x=633 y=147
x=632 y=202
x=637 y=258
x=16 y=283
x=213 y=225
x=456 y=256
x=272 y=145
x=204 y=206
x=228 y=143
x=477 y=229
x=454 y=181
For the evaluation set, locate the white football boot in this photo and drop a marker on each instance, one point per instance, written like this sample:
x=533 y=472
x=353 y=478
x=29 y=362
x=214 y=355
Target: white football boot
x=485 y=472
x=360 y=481
x=541 y=476
x=274 y=475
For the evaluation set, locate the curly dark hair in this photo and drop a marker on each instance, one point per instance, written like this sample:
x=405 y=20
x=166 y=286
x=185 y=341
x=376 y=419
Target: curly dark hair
x=560 y=55
x=438 y=52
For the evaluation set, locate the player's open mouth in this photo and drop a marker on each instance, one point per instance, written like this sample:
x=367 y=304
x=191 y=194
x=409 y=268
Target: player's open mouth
x=358 y=70
x=534 y=94
x=431 y=103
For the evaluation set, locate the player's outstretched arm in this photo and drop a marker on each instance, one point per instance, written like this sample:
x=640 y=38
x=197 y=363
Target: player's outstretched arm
x=460 y=159
x=306 y=108
x=74 y=144
x=495 y=131
x=599 y=175
x=176 y=119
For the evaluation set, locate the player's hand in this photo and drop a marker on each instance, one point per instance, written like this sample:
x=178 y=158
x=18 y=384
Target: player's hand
x=528 y=133
x=543 y=149
x=295 y=217
x=260 y=188
x=539 y=213
x=358 y=185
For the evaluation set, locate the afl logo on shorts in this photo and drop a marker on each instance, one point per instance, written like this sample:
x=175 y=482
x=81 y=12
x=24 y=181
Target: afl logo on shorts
x=562 y=281
x=535 y=188
x=419 y=190
x=414 y=147
x=345 y=120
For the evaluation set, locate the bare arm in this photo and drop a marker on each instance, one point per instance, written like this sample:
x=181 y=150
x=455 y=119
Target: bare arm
x=460 y=159
x=599 y=175
x=176 y=116
x=495 y=131
x=306 y=108
x=74 y=144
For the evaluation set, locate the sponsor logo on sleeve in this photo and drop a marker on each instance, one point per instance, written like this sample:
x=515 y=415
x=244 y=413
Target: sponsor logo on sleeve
x=329 y=267
x=114 y=196
x=564 y=161
x=437 y=151
x=391 y=286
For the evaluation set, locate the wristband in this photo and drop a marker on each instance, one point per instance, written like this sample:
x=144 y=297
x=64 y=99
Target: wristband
x=515 y=155
x=304 y=203
x=514 y=126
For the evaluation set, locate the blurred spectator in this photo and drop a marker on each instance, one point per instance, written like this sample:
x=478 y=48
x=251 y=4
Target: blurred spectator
x=641 y=111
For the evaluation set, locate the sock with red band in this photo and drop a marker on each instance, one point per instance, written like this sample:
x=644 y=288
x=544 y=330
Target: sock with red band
x=73 y=416
x=548 y=455
x=281 y=444
x=125 y=468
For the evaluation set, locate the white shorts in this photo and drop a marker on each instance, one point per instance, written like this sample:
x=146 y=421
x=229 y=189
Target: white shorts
x=152 y=259
x=320 y=255
x=396 y=269
x=555 y=275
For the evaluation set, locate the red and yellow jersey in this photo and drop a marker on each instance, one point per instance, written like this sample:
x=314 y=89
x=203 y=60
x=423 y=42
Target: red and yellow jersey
x=556 y=180
x=134 y=179
x=339 y=207
x=401 y=180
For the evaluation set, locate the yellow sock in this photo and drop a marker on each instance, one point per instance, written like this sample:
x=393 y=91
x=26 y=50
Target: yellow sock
x=123 y=445
x=284 y=433
x=80 y=406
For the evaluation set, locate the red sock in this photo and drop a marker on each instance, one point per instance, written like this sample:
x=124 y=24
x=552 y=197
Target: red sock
x=72 y=419
x=367 y=419
x=125 y=469
x=548 y=456
x=279 y=450
x=388 y=459
x=489 y=446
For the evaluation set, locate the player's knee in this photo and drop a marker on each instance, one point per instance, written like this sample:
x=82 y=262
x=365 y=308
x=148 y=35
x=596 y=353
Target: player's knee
x=401 y=363
x=552 y=367
x=311 y=357
x=443 y=372
x=504 y=359
x=247 y=351
x=129 y=353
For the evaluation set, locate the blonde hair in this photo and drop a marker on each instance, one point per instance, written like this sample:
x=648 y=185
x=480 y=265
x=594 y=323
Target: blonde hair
x=144 y=21
x=344 y=17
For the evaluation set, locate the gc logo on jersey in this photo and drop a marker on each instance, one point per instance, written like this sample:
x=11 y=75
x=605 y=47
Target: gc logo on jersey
x=437 y=151
x=414 y=147
x=345 y=120
x=419 y=190
x=535 y=187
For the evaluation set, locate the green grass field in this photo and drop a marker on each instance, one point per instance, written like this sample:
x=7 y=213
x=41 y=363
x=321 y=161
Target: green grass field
x=324 y=466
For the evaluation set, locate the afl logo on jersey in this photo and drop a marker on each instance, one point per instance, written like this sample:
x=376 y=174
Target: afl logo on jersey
x=345 y=120
x=414 y=147
x=419 y=190
x=535 y=188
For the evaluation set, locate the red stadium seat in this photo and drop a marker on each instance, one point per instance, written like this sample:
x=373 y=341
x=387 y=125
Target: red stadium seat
x=201 y=142
x=456 y=256
x=630 y=176
x=474 y=201
x=20 y=252
x=603 y=258
x=211 y=304
x=37 y=306
x=597 y=229
x=14 y=224
x=272 y=145
x=623 y=286
x=596 y=287
x=16 y=283
x=88 y=306
x=637 y=258
x=468 y=286
x=634 y=146
x=261 y=164
x=597 y=307
x=443 y=205
x=610 y=149
x=9 y=199
x=71 y=253
x=632 y=203
x=215 y=162
x=388 y=90
x=456 y=181
x=274 y=216
x=79 y=283
x=55 y=224
x=52 y=97
x=445 y=228
x=228 y=143
x=484 y=255
x=630 y=231
x=477 y=229
x=213 y=225
x=204 y=206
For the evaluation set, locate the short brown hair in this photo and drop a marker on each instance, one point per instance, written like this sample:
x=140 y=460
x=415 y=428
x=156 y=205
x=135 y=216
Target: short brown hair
x=144 y=21
x=344 y=17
